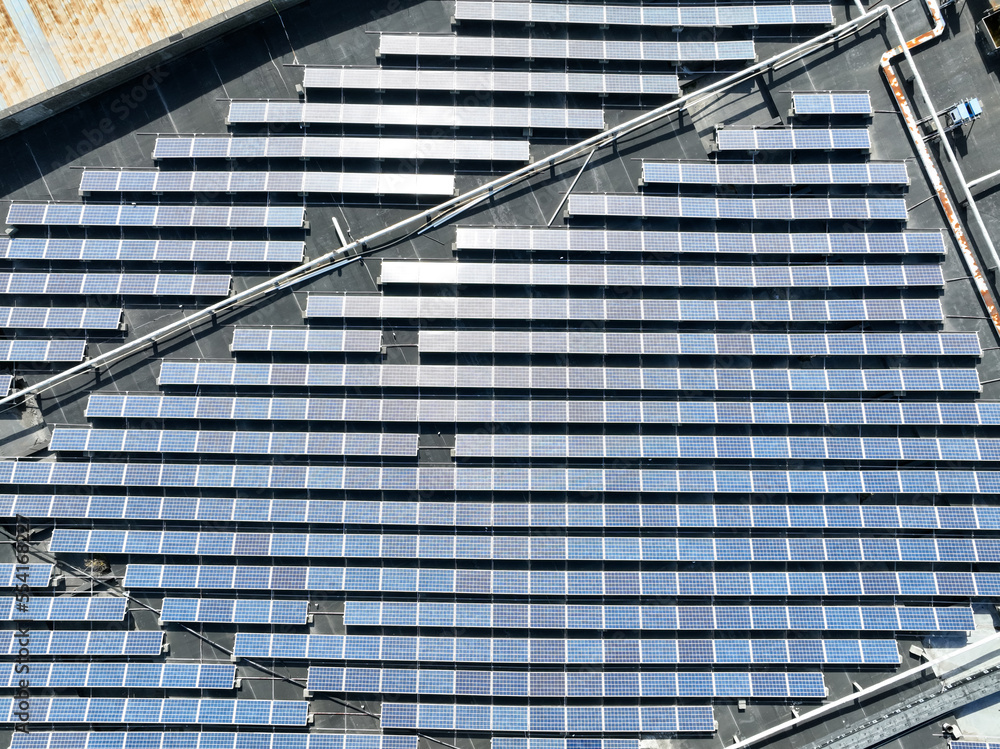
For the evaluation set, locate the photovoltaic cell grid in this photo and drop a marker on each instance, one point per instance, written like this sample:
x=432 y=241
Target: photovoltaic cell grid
x=539 y=743
x=558 y=651
x=974 y=745
x=94 y=643
x=537 y=308
x=566 y=378
x=241 y=112
x=213 y=740
x=599 y=274
x=442 y=45
x=626 y=15
x=469 y=479
x=791 y=139
x=114 y=283
x=152 y=250
x=64 y=214
x=367 y=183
x=5 y=383
x=305 y=340
x=16 y=575
x=761 y=209
x=605 y=617
x=64 y=609
x=123 y=675
x=237 y=442
x=389 y=79
x=709 y=344
x=42 y=351
x=235 y=611
x=599 y=240
x=503 y=514
x=722 y=447
x=561 y=583
x=574 y=684
x=308 y=147
x=832 y=103
x=542 y=411
x=67 y=318
x=532 y=548
x=546 y=719
x=709 y=173
x=162 y=711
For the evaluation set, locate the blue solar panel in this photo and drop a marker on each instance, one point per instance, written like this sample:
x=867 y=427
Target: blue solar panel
x=539 y=411
x=662 y=684
x=152 y=250
x=521 y=308
x=574 y=548
x=32 y=575
x=635 y=617
x=174 y=284
x=162 y=711
x=57 y=214
x=724 y=447
x=42 y=351
x=802 y=138
x=541 y=719
x=565 y=378
x=732 y=173
x=403 y=478
x=781 y=209
x=93 y=643
x=68 y=318
x=832 y=102
x=64 y=608
x=123 y=675
x=520 y=582
x=234 y=611
x=504 y=515
x=531 y=239
x=232 y=442
x=305 y=340
x=213 y=740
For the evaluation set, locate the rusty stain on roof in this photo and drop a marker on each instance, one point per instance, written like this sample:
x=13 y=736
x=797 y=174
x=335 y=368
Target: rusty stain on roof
x=84 y=35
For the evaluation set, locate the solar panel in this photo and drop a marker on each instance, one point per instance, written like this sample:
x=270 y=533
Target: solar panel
x=160 y=711
x=704 y=344
x=779 y=209
x=305 y=340
x=6 y=381
x=93 y=643
x=575 y=548
x=832 y=102
x=507 y=515
x=545 y=719
x=123 y=675
x=318 y=147
x=367 y=183
x=728 y=173
x=234 y=611
x=62 y=318
x=174 y=284
x=70 y=439
x=670 y=684
x=724 y=447
x=630 y=15
x=64 y=214
x=672 y=242
x=42 y=351
x=542 y=582
x=152 y=250
x=401 y=79
x=792 y=139
x=212 y=740
x=544 y=308
x=974 y=744
x=63 y=609
x=563 y=378
x=443 y=45
x=467 y=478
x=547 y=743
x=634 y=617
x=649 y=274
x=18 y=575
x=561 y=651
x=242 y=112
